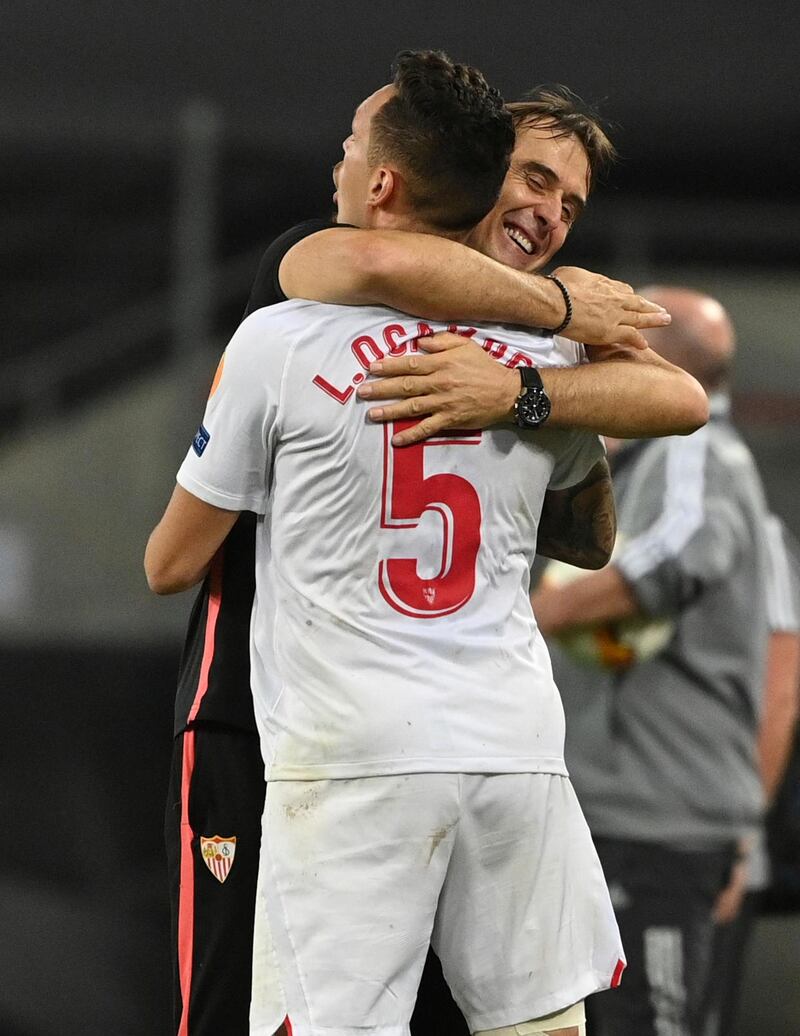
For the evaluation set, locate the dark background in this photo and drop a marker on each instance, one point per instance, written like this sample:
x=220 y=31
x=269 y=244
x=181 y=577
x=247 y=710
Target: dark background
x=149 y=152
x=703 y=97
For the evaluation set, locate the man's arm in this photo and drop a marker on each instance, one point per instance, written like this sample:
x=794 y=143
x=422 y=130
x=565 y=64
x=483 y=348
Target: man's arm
x=627 y=393
x=455 y=384
x=671 y=553
x=579 y=524
x=183 y=543
x=779 y=709
x=227 y=468
x=603 y=596
x=775 y=738
x=440 y=279
x=779 y=703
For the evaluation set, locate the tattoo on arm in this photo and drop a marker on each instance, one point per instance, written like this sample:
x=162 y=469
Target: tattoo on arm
x=579 y=524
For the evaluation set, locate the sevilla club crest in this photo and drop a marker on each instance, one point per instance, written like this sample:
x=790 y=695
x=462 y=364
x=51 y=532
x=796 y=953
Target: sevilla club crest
x=218 y=854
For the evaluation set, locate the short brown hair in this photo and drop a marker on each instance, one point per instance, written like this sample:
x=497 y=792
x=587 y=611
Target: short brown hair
x=450 y=135
x=557 y=106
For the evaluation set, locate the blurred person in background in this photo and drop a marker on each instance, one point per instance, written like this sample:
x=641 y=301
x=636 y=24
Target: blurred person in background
x=738 y=904
x=663 y=752
x=218 y=788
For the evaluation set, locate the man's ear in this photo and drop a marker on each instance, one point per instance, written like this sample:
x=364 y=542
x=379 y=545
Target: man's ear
x=382 y=187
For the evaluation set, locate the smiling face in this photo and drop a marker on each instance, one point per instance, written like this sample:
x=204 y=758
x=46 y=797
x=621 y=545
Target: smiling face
x=543 y=194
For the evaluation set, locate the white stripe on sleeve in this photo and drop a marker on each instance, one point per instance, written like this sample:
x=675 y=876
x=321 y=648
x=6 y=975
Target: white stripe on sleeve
x=782 y=610
x=684 y=508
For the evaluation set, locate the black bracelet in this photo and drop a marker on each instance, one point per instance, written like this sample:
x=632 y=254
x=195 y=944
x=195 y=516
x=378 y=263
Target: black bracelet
x=567 y=299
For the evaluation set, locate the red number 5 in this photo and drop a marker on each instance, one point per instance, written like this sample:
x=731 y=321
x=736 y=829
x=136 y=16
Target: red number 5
x=407 y=494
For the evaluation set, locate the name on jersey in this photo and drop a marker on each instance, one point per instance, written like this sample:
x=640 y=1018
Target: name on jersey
x=397 y=340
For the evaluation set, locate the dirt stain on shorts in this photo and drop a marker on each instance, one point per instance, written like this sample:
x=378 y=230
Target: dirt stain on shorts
x=304 y=806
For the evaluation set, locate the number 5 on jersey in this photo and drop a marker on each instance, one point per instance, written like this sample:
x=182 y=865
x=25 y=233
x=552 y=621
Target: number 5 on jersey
x=406 y=495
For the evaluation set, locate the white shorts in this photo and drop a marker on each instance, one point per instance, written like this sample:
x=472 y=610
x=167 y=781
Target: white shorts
x=498 y=872
x=267 y=1002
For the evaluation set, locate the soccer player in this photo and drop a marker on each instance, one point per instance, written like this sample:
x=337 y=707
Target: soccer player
x=663 y=754
x=218 y=776
x=411 y=731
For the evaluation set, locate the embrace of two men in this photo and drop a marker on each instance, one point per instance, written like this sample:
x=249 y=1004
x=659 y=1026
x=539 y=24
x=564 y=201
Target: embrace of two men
x=381 y=532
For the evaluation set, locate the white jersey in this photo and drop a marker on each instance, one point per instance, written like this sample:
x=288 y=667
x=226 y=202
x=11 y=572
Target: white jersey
x=391 y=629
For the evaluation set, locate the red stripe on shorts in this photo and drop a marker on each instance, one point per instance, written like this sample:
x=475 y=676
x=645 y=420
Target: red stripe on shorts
x=186 y=896
x=288 y=1026
x=214 y=601
x=616 y=978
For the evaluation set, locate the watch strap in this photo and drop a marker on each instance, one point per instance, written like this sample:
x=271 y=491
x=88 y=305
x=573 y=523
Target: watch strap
x=530 y=378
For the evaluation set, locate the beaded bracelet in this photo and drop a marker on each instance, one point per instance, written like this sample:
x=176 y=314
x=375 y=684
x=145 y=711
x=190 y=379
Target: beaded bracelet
x=567 y=299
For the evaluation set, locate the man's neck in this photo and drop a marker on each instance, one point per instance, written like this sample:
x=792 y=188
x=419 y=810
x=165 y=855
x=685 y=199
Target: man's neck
x=412 y=225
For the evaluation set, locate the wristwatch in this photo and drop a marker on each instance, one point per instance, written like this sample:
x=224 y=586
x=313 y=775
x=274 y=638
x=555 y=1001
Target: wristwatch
x=532 y=406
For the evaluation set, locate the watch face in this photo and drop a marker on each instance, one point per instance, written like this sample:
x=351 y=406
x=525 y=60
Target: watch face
x=533 y=408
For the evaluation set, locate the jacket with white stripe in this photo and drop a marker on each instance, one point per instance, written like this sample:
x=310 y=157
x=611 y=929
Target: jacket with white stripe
x=665 y=751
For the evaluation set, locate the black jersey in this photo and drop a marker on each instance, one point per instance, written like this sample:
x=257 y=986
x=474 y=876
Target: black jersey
x=214 y=673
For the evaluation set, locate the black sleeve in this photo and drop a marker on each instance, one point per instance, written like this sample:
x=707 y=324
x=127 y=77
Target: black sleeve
x=266 y=290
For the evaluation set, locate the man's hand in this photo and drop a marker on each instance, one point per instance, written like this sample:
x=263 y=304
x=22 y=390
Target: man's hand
x=729 y=902
x=607 y=312
x=597 y=597
x=453 y=384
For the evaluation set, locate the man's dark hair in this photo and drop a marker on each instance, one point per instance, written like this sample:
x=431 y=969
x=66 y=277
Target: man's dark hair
x=450 y=136
x=558 y=107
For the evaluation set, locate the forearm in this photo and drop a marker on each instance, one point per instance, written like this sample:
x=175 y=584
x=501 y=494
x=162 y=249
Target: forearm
x=603 y=596
x=632 y=394
x=780 y=709
x=182 y=545
x=169 y=573
x=421 y=274
x=457 y=385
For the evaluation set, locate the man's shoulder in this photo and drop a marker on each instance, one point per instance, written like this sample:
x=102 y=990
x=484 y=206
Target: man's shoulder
x=380 y=328
x=650 y=469
x=278 y=311
x=300 y=319
x=282 y=327
x=715 y=459
x=664 y=449
x=728 y=446
x=303 y=309
x=269 y=330
x=282 y=319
